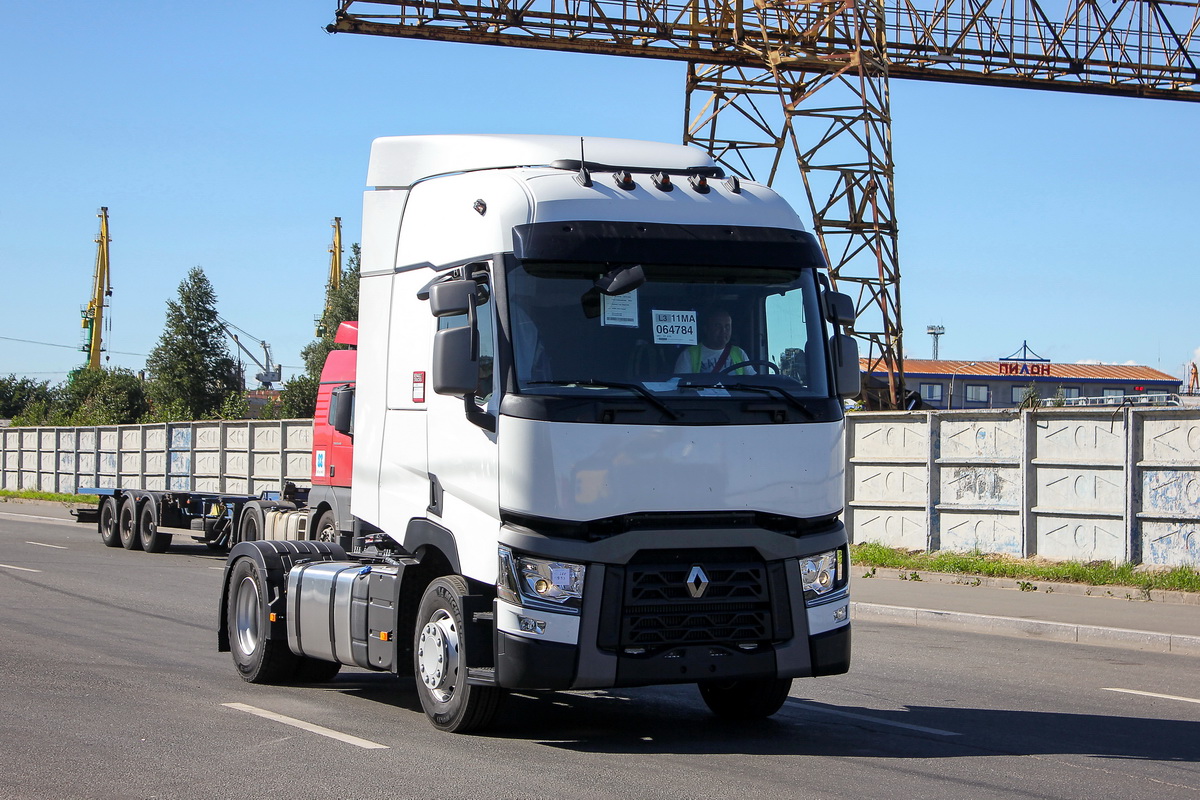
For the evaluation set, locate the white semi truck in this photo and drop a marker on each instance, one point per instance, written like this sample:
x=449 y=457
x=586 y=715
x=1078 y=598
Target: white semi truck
x=597 y=438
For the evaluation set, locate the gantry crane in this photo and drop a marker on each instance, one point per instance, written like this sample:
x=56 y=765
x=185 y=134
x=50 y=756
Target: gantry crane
x=809 y=78
x=335 y=273
x=93 y=315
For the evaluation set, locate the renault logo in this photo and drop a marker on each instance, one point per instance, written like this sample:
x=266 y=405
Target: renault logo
x=697 y=581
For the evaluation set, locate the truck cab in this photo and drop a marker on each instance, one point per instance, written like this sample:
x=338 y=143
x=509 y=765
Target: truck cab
x=598 y=434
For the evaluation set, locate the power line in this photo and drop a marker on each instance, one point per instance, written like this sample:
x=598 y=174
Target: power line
x=67 y=346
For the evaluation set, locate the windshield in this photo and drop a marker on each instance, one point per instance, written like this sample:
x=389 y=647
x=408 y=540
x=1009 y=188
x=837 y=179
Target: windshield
x=686 y=331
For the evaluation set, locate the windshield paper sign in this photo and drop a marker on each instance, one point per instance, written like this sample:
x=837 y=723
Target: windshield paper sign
x=674 y=327
x=620 y=310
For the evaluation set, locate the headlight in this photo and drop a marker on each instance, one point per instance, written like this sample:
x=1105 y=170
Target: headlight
x=527 y=581
x=822 y=573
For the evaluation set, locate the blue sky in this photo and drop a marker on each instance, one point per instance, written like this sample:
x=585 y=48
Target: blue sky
x=228 y=135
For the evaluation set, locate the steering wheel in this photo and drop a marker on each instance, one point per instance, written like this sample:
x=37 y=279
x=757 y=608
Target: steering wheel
x=771 y=365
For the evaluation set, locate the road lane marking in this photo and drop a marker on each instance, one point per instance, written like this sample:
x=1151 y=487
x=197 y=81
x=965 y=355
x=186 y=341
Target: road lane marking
x=11 y=515
x=876 y=720
x=55 y=546
x=366 y=744
x=22 y=569
x=1155 y=694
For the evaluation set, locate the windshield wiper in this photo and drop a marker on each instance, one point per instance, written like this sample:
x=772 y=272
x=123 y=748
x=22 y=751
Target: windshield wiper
x=633 y=387
x=756 y=387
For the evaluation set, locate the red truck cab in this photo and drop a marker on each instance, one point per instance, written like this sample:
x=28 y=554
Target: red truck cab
x=333 y=450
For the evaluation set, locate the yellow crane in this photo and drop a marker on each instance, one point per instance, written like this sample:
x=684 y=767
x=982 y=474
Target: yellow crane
x=335 y=271
x=93 y=315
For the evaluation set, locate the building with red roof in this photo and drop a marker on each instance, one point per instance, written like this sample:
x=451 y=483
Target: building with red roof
x=1006 y=382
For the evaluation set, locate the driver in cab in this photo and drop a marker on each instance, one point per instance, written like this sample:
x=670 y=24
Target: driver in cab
x=715 y=352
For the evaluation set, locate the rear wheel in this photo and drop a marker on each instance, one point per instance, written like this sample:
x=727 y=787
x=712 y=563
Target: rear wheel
x=753 y=698
x=127 y=525
x=109 y=532
x=250 y=527
x=258 y=659
x=440 y=662
x=152 y=540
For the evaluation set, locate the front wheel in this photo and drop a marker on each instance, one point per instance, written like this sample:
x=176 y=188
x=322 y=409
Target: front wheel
x=754 y=698
x=440 y=662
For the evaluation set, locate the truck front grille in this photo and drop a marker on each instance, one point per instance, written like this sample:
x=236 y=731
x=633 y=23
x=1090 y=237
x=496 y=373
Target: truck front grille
x=658 y=611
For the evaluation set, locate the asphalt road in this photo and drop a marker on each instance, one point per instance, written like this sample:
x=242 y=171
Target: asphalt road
x=112 y=688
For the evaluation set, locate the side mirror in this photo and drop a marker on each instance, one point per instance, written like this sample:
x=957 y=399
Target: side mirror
x=455 y=370
x=341 y=410
x=846 y=371
x=451 y=298
x=839 y=308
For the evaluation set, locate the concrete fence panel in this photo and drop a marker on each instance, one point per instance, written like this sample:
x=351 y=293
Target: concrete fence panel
x=1116 y=484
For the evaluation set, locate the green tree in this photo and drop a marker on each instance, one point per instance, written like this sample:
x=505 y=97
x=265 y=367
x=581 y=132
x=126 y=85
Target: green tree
x=18 y=393
x=191 y=371
x=89 y=397
x=1030 y=399
x=299 y=398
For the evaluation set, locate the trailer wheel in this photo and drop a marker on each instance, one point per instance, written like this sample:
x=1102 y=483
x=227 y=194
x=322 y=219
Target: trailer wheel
x=440 y=662
x=258 y=659
x=110 y=534
x=749 y=699
x=152 y=540
x=127 y=525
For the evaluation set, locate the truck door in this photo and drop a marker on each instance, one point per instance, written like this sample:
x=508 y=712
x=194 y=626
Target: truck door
x=464 y=483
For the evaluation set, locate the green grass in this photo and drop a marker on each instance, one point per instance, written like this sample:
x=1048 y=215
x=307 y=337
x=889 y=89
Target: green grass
x=51 y=496
x=1095 y=573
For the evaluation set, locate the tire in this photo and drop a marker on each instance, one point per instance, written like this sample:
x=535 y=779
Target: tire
x=250 y=526
x=127 y=527
x=440 y=662
x=326 y=529
x=755 y=698
x=257 y=658
x=152 y=540
x=110 y=534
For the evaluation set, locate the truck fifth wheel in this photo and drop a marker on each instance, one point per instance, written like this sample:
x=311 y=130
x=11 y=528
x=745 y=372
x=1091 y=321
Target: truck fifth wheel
x=593 y=429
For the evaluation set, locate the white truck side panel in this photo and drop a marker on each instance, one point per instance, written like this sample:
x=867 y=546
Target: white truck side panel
x=442 y=226
x=592 y=471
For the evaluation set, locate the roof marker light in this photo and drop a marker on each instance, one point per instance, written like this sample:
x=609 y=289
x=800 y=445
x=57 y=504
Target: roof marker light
x=662 y=181
x=733 y=184
x=699 y=183
x=624 y=179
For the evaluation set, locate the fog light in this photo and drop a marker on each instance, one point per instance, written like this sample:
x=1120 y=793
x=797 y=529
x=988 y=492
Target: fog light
x=840 y=614
x=531 y=625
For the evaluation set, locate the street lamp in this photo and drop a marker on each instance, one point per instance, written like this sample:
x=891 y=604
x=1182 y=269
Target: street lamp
x=950 y=404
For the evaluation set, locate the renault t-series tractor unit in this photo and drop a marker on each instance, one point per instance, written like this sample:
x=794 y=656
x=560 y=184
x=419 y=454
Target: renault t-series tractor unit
x=595 y=421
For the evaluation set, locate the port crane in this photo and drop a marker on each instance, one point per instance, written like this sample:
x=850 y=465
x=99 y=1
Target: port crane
x=93 y=314
x=335 y=273
x=271 y=373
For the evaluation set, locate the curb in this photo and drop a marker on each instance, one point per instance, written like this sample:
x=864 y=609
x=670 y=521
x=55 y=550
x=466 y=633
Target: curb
x=1114 y=592
x=1030 y=628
